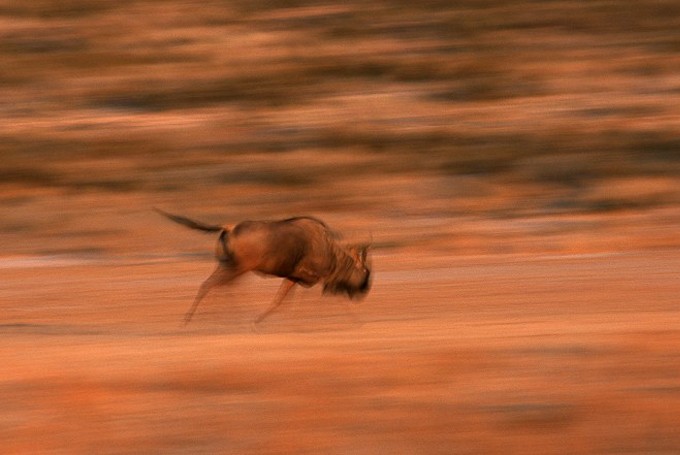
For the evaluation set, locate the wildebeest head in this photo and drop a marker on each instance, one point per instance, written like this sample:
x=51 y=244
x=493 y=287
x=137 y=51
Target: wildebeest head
x=352 y=275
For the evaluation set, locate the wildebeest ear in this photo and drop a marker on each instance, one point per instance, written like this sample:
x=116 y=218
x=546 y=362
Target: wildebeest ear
x=365 y=247
x=363 y=251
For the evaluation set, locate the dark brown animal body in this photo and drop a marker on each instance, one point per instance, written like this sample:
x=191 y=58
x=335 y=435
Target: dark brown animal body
x=302 y=250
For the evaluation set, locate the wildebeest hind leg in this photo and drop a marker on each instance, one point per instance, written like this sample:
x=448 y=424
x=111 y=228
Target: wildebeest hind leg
x=286 y=286
x=221 y=276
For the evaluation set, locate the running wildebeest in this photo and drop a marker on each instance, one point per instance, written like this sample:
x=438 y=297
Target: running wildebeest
x=301 y=250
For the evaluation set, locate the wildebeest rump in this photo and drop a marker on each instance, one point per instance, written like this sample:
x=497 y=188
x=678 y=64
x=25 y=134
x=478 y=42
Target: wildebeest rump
x=302 y=250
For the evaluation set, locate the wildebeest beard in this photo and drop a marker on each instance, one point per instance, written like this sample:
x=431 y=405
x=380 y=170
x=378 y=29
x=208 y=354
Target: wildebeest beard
x=346 y=278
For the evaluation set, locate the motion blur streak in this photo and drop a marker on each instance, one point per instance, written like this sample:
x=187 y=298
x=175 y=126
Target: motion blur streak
x=516 y=164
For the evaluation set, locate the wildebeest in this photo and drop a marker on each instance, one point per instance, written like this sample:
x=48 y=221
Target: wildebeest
x=302 y=250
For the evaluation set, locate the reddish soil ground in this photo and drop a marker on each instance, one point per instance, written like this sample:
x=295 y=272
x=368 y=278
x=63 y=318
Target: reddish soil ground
x=558 y=355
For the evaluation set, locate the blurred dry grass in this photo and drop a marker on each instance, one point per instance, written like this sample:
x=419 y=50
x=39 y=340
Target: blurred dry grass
x=554 y=108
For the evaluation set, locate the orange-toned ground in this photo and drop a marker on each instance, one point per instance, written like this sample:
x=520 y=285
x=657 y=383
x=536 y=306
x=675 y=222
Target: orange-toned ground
x=462 y=355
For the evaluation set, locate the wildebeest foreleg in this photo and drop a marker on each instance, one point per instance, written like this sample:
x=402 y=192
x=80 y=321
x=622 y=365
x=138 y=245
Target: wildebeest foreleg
x=286 y=286
x=221 y=276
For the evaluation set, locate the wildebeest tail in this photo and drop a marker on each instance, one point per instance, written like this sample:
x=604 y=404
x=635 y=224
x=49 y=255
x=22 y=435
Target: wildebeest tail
x=190 y=223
